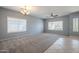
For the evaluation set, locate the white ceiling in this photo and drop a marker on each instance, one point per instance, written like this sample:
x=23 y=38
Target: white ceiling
x=44 y=11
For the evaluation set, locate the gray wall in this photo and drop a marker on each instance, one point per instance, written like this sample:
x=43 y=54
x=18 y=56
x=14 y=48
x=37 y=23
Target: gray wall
x=68 y=24
x=34 y=25
x=65 y=25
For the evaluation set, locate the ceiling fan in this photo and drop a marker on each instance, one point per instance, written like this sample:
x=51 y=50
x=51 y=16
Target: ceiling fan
x=52 y=15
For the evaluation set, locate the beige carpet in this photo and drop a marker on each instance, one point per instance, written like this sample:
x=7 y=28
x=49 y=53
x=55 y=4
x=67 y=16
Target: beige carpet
x=28 y=44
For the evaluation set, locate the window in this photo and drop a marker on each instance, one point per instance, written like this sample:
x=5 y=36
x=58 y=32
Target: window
x=16 y=25
x=56 y=25
x=75 y=24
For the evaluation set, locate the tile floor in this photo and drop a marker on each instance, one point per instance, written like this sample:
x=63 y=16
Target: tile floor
x=67 y=44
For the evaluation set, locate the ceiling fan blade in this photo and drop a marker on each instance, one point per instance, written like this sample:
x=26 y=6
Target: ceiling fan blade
x=52 y=15
x=55 y=15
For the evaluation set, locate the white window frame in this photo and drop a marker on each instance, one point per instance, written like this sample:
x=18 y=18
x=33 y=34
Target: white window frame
x=15 y=25
x=51 y=25
x=75 y=24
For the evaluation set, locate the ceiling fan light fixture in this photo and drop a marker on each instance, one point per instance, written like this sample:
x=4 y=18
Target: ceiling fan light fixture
x=52 y=17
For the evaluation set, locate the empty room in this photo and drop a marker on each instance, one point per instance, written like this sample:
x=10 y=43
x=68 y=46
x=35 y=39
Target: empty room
x=39 y=29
